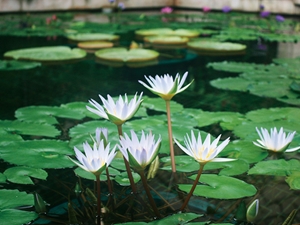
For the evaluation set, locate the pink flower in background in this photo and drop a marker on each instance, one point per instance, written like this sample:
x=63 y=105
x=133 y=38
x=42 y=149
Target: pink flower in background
x=48 y=20
x=166 y=9
x=54 y=17
x=206 y=9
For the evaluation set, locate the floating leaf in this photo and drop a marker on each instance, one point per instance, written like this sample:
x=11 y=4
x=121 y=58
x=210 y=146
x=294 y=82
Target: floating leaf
x=88 y=175
x=38 y=154
x=93 y=37
x=210 y=47
x=23 y=174
x=184 y=163
x=2 y=178
x=231 y=83
x=166 y=31
x=6 y=65
x=46 y=114
x=166 y=40
x=293 y=180
x=295 y=86
x=92 y=46
x=9 y=201
x=124 y=55
x=159 y=104
x=220 y=187
x=279 y=167
x=24 y=128
x=232 y=168
x=123 y=179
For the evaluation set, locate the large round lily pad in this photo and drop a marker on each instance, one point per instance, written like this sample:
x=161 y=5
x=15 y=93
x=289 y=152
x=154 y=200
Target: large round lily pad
x=220 y=187
x=92 y=46
x=6 y=65
x=124 y=55
x=47 y=54
x=167 y=31
x=166 y=40
x=93 y=37
x=209 y=47
x=38 y=154
x=9 y=201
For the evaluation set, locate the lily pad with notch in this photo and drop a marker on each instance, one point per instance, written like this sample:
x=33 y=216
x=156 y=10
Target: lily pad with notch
x=23 y=174
x=220 y=187
x=38 y=154
x=9 y=201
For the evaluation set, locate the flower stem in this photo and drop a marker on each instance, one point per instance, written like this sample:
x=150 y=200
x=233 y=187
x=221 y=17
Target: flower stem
x=98 y=200
x=193 y=187
x=152 y=203
x=109 y=187
x=170 y=136
x=134 y=190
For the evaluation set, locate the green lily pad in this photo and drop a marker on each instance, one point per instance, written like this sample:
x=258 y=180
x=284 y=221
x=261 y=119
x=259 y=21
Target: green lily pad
x=9 y=137
x=167 y=31
x=9 y=200
x=23 y=174
x=46 y=114
x=293 y=180
x=87 y=175
x=232 y=168
x=295 y=86
x=79 y=37
x=166 y=40
x=123 y=179
x=209 y=47
x=279 y=167
x=220 y=187
x=38 y=154
x=231 y=83
x=24 y=128
x=124 y=55
x=47 y=54
x=183 y=163
x=2 y=178
x=80 y=107
x=158 y=104
x=6 y=65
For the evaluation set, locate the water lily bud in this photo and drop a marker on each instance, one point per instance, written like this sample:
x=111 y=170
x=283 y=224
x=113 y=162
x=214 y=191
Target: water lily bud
x=154 y=166
x=77 y=189
x=252 y=210
x=39 y=204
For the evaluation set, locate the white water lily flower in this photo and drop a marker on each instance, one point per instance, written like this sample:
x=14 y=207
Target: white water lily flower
x=275 y=141
x=118 y=111
x=165 y=86
x=206 y=151
x=139 y=153
x=96 y=159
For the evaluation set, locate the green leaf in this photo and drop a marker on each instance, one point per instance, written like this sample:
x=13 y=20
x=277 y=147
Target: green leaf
x=2 y=178
x=179 y=218
x=123 y=179
x=279 y=167
x=24 y=128
x=293 y=180
x=44 y=54
x=93 y=37
x=183 y=163
x=220 y=187
x=231 y=83
x=90 y=176
x=6 y=65
x=11 y=199
x=22 y=174
x=124 y=55
x=46 y=114
x=231 y=168
x=38 y=154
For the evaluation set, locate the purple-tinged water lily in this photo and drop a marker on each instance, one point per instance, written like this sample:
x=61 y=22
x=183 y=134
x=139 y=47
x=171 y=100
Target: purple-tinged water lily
x=275 y=141
x=96 y=158
x=279 y=18
x=264 y=14
x=111 y=1
x=166 y=10
x=118 y=111
x=139 y=153
x=165 y=86
x=203 y=152
x=101 y=134
x=226 y=9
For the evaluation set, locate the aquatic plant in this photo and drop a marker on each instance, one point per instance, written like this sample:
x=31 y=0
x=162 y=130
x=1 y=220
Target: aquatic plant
x=166 y=87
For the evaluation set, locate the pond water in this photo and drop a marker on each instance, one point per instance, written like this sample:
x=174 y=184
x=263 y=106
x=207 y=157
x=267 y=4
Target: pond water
x=56 y=84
